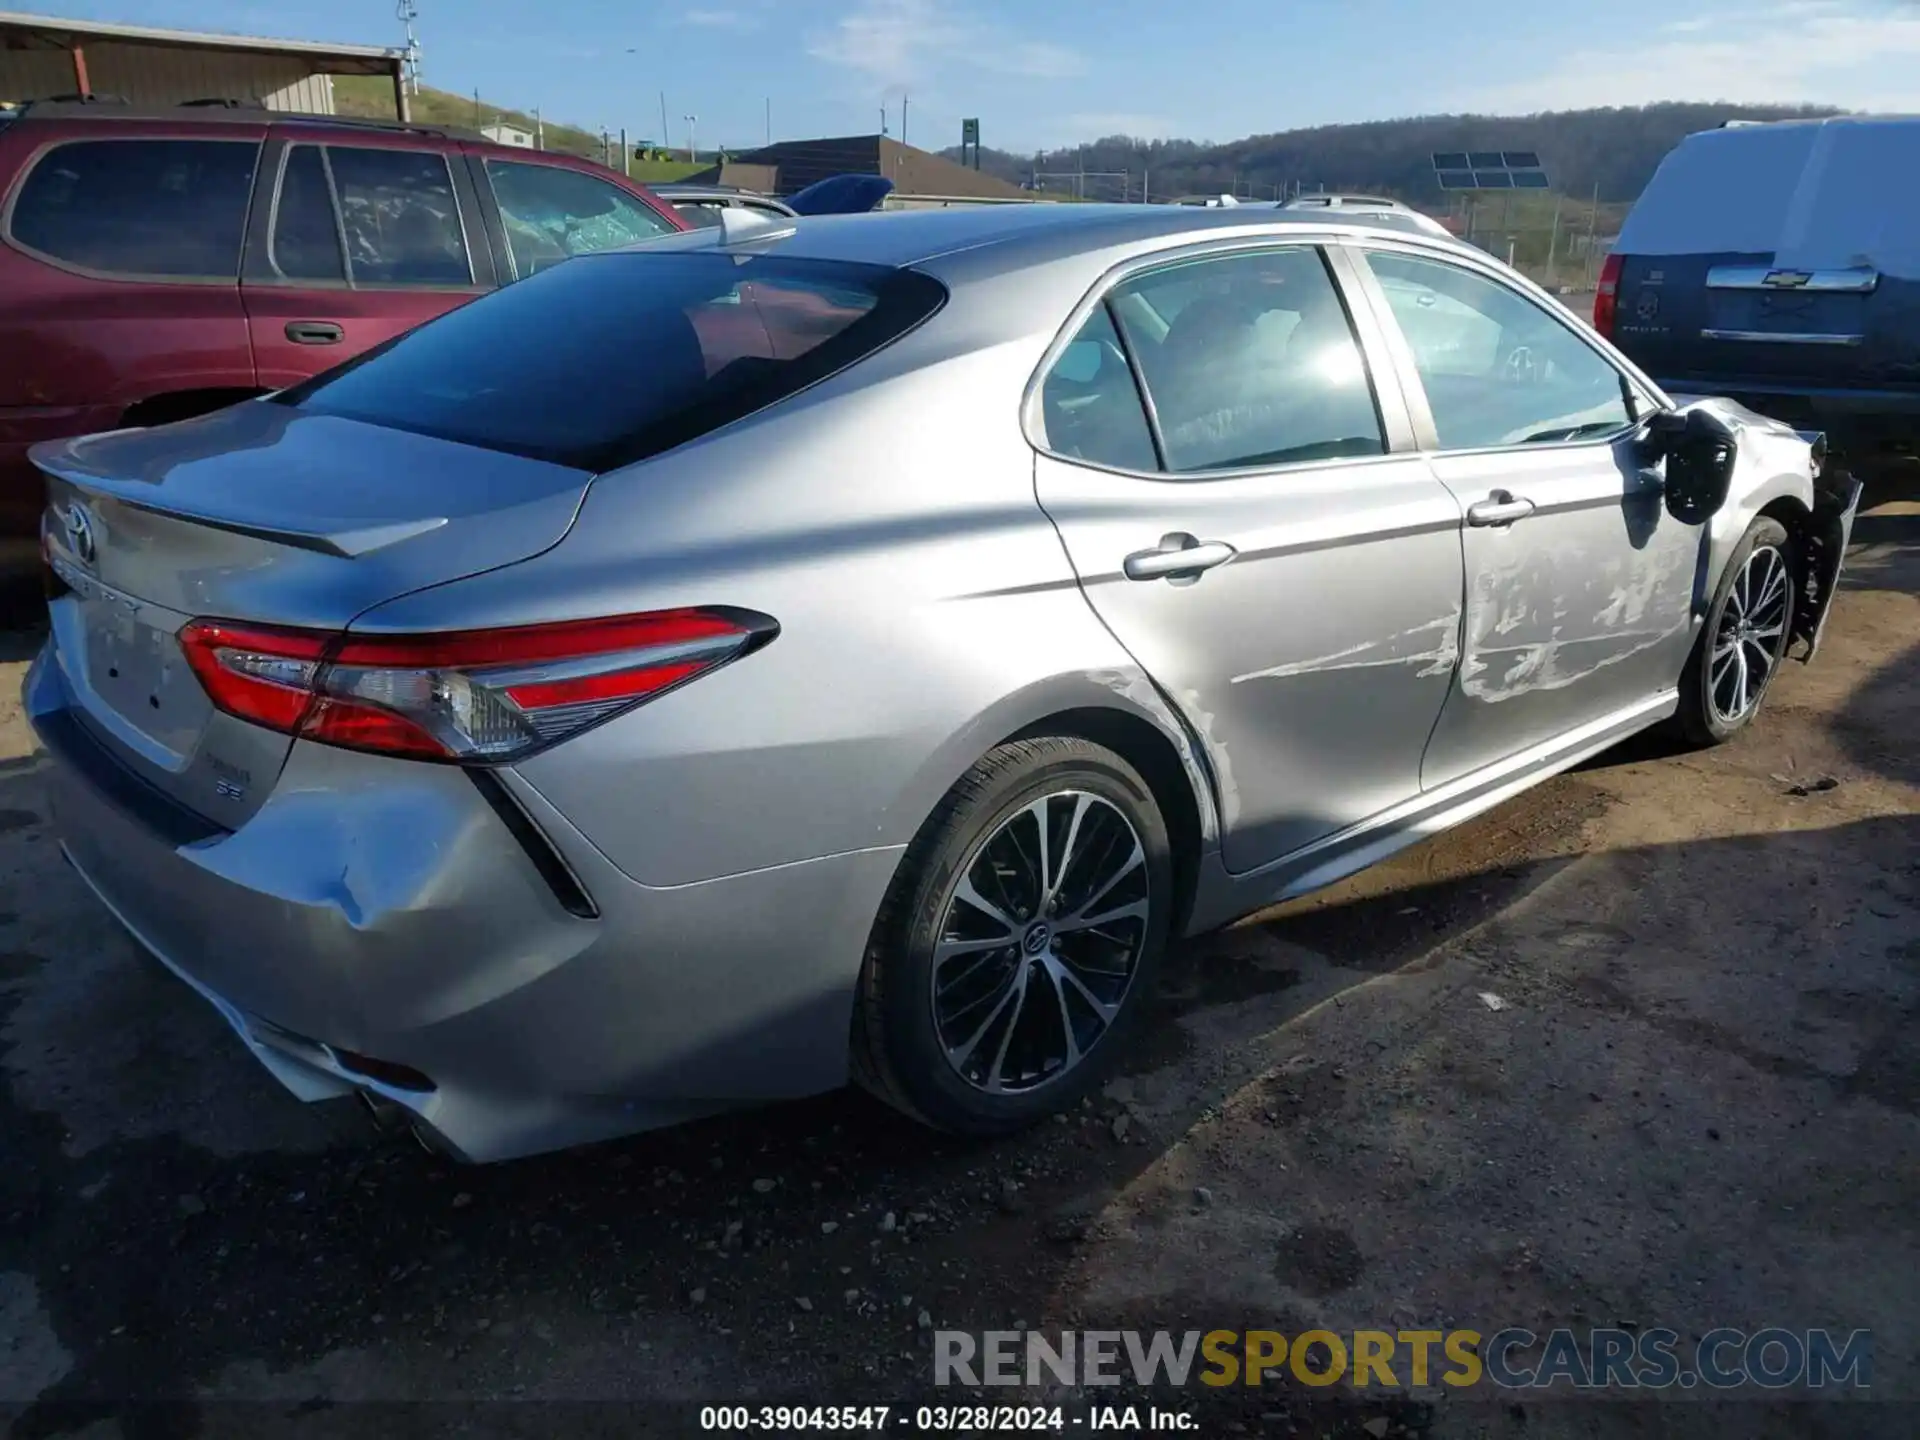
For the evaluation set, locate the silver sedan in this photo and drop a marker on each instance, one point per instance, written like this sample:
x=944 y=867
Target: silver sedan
x=857 y=647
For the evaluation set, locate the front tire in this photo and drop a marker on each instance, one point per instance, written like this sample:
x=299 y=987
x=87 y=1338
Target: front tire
x=1740 y=648
x=1019 y=941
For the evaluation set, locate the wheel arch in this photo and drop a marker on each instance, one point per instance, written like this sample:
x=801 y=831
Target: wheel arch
x=1149 y=750
x=1120 y=709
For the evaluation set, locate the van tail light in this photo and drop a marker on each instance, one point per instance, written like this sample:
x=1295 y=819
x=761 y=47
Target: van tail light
x=1606 y=299
x=482 y=696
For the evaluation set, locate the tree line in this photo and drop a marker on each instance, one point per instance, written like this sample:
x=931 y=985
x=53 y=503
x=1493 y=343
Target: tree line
x=1615 y=149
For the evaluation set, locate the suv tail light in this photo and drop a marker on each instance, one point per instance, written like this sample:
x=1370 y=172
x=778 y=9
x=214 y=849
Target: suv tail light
x=1606 y=299
x=474 y=695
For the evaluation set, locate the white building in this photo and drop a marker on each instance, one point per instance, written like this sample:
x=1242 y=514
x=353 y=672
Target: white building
x=43 y=57
x=508 y=135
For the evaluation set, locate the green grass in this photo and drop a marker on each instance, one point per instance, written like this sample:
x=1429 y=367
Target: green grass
x=372 y=97
x=662 y=172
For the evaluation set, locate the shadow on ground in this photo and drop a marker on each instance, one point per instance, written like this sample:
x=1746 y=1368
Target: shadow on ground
x=677 y=1263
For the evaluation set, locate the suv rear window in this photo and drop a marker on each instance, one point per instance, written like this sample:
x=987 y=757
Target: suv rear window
x=164 y=208
x=607 y=359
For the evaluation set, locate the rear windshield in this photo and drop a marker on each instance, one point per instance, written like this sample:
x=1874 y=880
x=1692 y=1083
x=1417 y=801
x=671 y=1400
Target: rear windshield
x=607 y=359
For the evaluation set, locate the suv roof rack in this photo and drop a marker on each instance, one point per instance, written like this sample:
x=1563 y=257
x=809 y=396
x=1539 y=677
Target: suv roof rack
x=218 y=110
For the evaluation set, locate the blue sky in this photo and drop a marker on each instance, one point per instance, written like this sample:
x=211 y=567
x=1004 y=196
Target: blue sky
x=1051 y=72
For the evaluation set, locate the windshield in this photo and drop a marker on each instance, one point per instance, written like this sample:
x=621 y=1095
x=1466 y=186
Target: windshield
x=607 y=359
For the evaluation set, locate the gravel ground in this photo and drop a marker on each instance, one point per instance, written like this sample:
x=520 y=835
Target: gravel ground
x=1698 y=1104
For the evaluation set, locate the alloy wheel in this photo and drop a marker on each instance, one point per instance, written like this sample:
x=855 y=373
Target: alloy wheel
x=1748 y=642
x=1038 y=946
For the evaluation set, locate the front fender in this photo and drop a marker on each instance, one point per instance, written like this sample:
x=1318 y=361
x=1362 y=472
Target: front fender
x=1775 y=463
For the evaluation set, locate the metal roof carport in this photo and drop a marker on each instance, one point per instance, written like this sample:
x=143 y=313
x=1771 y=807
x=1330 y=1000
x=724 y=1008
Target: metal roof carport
x=43 y=57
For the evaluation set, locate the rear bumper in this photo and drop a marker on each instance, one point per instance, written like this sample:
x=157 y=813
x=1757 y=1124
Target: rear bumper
x=1850 y=414
x=377 y=908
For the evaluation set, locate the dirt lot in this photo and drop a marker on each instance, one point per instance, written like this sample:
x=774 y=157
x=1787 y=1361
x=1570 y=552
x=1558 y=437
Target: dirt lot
x=1699 y=1105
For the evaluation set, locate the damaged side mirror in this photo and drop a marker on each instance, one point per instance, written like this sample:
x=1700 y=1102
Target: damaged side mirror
x=1700 y=450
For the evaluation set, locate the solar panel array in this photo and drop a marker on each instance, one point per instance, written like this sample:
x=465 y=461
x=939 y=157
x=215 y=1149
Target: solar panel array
x=1489 y=170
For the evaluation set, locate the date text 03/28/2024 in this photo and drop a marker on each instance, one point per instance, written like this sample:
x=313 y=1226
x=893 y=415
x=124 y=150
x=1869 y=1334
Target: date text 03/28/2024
x=934 y=1419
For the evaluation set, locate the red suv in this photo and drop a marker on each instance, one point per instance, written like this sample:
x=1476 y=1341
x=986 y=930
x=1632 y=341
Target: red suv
x=156 y=265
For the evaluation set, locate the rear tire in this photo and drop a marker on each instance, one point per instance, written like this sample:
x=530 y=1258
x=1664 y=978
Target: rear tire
x=1739 y=650
x=1032 y=1004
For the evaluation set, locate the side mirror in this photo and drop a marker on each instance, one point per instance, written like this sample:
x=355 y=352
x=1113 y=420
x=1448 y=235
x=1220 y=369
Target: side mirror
x=1700 y=451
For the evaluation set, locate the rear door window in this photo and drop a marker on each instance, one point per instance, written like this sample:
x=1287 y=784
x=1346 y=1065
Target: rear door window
x=168 y=209
x=619 y=356
x=552 y=214
x=400 y=217
x=1250 y=360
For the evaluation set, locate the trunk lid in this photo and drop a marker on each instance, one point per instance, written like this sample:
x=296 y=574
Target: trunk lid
x=266 y=514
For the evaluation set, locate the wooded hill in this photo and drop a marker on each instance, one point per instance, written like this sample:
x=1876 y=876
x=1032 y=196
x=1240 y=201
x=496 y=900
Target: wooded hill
x=1615 y=149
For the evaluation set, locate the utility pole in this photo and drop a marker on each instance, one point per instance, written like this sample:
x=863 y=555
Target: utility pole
x=626 y=155
x=1593 y=225
x=539 y=130
x=477 y=122
x=883 y=119
x=769 y=120
x=1553 y=240
x=666 y=135
x=408 y=13
x=903 y=117
x=693 y=151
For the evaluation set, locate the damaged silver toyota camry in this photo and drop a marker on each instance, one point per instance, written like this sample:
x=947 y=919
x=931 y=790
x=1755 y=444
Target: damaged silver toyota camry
x=857 y=647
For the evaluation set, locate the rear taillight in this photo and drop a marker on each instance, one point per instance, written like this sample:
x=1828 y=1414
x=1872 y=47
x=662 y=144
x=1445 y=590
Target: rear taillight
x=1606 y=299
x=477 y=695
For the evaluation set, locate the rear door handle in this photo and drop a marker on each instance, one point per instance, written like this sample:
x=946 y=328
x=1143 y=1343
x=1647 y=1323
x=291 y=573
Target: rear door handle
x=315 y=332
x=1500 y=508
x=1178 y=557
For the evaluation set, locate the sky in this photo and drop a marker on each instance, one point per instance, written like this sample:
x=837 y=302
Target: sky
x=1049 y=73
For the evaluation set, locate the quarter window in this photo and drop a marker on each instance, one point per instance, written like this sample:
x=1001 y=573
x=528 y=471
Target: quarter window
x=1089 y=404
x=1498 y=369
x=164 y=208
x=552 y=214
x=306 y=231
x=1250 y=360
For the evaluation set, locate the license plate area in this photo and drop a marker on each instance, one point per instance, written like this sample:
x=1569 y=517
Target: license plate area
x=1791 y=317
x=131 y=672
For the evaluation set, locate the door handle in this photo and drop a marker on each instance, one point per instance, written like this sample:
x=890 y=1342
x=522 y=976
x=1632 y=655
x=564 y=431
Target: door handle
x=1179 y=558
x=1500 y=508
x=315 y=332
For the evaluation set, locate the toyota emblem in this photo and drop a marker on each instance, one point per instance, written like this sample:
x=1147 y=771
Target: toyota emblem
x=80 y=532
